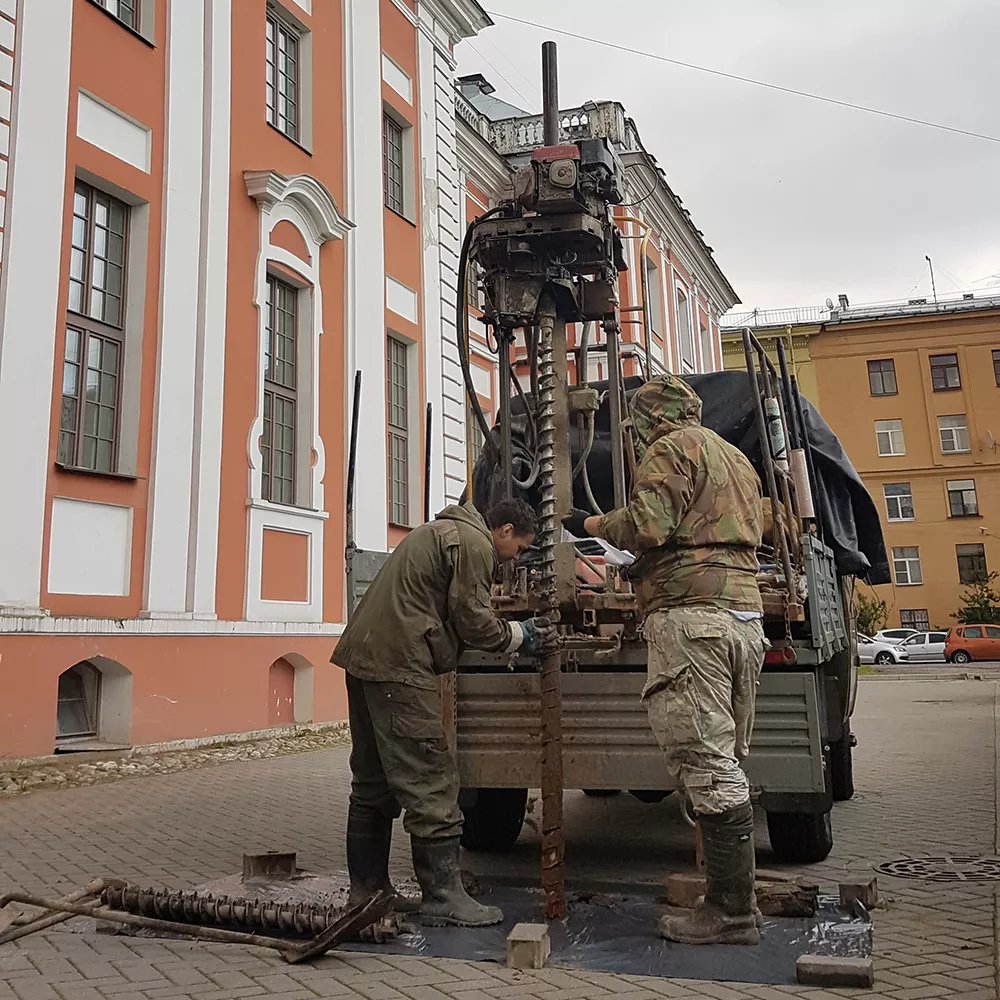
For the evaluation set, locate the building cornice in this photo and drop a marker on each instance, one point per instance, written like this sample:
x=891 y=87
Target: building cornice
x=268 y=188
x=486 y=168
x=462 y=18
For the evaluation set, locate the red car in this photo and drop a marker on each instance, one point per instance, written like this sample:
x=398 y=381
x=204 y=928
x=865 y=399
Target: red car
x=972 y=642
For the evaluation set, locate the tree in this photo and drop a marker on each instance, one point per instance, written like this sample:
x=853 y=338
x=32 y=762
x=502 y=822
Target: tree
x=980 y=602
x=870 y=613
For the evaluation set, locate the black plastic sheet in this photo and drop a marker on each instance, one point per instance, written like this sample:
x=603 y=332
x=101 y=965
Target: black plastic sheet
x=846 y=511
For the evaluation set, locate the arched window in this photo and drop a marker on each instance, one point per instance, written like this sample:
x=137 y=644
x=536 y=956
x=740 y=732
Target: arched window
x=78 y=710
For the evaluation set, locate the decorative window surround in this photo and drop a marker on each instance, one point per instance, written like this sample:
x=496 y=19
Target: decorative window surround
x=306 y=204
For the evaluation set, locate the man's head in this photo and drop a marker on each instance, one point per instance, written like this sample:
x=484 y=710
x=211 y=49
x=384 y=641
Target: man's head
x=662 y=405
x=513 y=525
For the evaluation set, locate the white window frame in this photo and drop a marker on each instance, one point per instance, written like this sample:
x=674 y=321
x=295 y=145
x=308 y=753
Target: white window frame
x=954 y=437
x=895 y=501
x=303 y=79
x=685 y=333
x=965 y=487
x=407 y=138
x=893 y=437
x=906 y=568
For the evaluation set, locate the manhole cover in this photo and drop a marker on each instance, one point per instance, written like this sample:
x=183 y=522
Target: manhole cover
x=955 y=868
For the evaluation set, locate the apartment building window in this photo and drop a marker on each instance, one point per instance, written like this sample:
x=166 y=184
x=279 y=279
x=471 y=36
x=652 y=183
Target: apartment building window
x=882 y=377
x=962 y=498
x=92 y=359
x=971 y=563
x=996 y=366
x=280 y=397
x=282 y=72
x=684 y=330
x=898 y=501
x=954 y=433
x=392 y=163
x=397 y=399
x=915 y=618
x=906 y=563
x=126 y=11
x=889 y=436
x=944 y=372
x=476 y=440
x=474 y=292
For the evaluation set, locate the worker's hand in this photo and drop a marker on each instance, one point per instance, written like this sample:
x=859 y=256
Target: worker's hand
x=539 y=636
x=575 y=522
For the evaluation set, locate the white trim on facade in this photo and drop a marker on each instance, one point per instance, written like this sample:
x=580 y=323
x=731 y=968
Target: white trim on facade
x=29 y=289
x=163 y=626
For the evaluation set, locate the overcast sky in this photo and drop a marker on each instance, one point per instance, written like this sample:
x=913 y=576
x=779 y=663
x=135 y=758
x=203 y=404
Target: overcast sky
x=801 y=200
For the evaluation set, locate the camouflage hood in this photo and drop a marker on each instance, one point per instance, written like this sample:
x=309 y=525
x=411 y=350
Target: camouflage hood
x=664 y=404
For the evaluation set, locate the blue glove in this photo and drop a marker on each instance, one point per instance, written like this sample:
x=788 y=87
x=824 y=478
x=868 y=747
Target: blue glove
x=539 y=636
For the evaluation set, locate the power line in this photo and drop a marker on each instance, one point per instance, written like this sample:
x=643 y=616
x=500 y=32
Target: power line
x=746 y=79
x=498 y=73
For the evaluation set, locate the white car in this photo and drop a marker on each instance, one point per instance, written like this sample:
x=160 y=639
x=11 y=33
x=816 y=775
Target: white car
x=895 y=636
x=883 y=653
x=927 y=647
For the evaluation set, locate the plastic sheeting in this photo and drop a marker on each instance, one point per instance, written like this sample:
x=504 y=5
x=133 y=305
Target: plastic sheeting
x=847 y=513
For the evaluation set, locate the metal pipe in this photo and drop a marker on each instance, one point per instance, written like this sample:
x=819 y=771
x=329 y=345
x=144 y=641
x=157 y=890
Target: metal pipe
x=427 y=462
x=24 y=925
x=615 y=406
x=550 y=95
x=810 y=459
x=350 y=548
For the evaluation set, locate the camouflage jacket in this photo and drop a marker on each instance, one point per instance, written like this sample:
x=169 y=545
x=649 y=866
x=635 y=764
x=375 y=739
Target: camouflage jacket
x=429 y=601
x=694 y=517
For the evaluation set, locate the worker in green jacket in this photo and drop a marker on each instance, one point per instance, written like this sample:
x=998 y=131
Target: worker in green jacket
x=430 y=601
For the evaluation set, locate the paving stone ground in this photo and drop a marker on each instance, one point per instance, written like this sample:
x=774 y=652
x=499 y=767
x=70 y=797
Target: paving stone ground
x=926 y=771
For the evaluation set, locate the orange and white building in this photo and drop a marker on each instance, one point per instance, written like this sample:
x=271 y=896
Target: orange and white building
x=215 y=212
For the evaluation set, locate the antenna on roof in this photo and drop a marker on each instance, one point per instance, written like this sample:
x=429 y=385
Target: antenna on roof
x=930 y=264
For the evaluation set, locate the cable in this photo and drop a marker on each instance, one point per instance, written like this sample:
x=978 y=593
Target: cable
x=746 y=79
x=498 y=73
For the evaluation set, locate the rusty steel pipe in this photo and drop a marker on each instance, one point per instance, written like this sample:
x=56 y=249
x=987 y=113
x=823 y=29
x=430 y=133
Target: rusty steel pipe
x=550 y=95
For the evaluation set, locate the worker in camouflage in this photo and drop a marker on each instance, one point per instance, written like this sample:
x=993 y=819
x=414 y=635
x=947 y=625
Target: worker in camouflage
x=694 y=523
x=430 y=600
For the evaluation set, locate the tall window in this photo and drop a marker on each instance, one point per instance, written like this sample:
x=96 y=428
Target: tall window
x=476 y=440
x=277 y=446
x=898 y=501
x=127 y=11
x=971 y=563
x=281 y=71
x=996 y=366
x=944 y=372
x=954 y=434
x=882 y=377
x=916 y=618
x=78 y=698
x=889 y=436
x=684 y=330
x=392 y=164
x=397 y=398
x=962 y=498
x=91 y=389
x=906 y=563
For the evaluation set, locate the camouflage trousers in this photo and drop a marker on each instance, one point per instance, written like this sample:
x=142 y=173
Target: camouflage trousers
x=704 y=665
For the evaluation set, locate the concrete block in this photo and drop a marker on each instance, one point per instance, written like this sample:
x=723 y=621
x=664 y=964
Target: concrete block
x=684 y=889
x=826 y=970
x=528 y=946
x=865 y=893
x=775 y=899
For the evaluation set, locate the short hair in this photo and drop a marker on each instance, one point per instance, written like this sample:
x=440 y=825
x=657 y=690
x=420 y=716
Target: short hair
x=516 y=513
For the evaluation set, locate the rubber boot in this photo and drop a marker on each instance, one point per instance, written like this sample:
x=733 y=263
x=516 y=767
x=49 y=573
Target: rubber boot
x=369 y=837
x=727 y=915
x=445 y=901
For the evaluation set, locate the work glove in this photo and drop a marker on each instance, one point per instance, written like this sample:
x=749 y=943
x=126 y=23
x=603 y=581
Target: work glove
x=539 y=636
x=574 y=520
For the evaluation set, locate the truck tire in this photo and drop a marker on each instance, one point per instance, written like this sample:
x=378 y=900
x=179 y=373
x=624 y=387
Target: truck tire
x=493 y=818
x=800 y=838
x=841 y=765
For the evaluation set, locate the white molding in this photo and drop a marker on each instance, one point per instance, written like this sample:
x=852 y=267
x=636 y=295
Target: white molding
x=14 y=625
x=405 y=11
x=316 y=205
x=103 y=125
x=29 y=287
x=396 y=78
x=487 y=169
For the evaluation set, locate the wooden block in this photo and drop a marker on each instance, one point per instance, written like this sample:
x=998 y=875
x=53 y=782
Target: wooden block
x=528 y=946
x=865 y=893
x=825 y=970
x=684 y=889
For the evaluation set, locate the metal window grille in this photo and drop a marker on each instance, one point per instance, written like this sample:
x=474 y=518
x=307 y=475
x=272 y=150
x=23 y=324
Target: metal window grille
x=392 y=163
x=898 y=501
x=882 y=377
x=962 y=500
x=954 y=434
x=280 y=396
x=906 y=563
x=125 y=11
x=915 y=618
x=281 y=76
x=971 y=563
x=944 y=372
x=94 y=339
x=399 y=439
x=889 y=436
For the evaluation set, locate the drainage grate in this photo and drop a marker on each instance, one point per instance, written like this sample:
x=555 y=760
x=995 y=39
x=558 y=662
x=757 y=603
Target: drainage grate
x=954 y=868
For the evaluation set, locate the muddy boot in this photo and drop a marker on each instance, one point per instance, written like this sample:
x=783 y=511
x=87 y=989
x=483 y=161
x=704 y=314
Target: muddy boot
x=729 y=914
x=369 y=837
x=445 y=900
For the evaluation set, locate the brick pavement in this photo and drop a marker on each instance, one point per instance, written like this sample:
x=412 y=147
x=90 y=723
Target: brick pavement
x=926 y=774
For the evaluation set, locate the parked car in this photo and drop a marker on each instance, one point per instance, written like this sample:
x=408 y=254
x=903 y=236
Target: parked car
x=895 y=635
x=883 y=653
x=925 y=647
x=973 y=642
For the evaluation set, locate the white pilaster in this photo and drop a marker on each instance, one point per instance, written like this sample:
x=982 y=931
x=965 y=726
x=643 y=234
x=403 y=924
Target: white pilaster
x=29 y=289
x=204 y=528
x=172 y=473
x=365 y=304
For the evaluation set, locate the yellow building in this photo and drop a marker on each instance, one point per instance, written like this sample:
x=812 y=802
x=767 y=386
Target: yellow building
x=913 y=392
